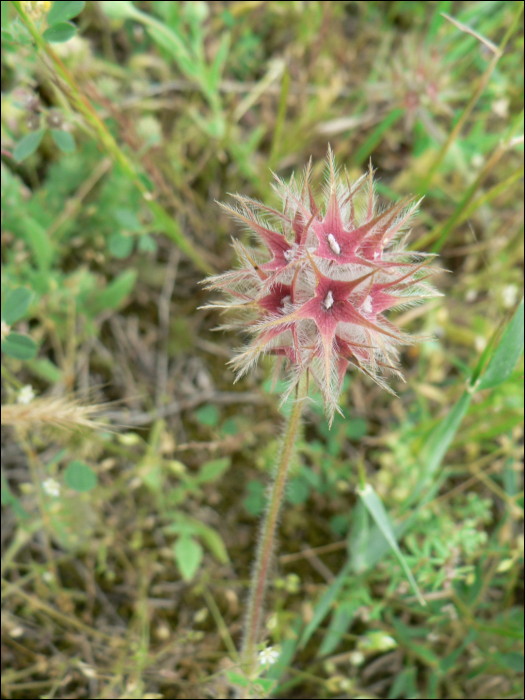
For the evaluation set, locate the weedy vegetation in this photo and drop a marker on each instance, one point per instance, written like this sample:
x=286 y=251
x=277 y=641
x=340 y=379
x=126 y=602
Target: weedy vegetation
x=134 y=469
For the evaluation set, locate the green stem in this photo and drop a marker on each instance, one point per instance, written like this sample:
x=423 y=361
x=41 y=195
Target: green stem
x=86 y=109
x=268 y=527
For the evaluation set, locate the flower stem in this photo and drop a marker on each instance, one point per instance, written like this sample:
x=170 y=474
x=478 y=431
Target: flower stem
x=268 y=527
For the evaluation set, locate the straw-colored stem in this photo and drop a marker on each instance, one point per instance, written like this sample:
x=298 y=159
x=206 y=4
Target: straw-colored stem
x=266 y=544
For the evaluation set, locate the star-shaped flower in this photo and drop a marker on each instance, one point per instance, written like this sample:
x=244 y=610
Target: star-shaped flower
x=317 y=296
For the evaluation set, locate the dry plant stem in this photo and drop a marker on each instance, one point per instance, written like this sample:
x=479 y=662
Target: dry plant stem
x=269 y=524
x=86 y=109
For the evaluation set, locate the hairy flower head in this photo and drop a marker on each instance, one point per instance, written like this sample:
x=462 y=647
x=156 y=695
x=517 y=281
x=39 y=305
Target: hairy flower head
x=315 y=296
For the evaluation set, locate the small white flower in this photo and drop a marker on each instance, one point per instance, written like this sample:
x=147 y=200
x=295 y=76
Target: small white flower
x=269 y=656
x=480 y=343
x=356 y=658
x=26 y=394
x=509 y=295
x=51 y=487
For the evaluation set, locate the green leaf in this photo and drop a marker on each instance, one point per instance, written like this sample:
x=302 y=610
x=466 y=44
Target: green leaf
x=256 y=500
x=64 y=140
x=359 y=539
x=208 y=415
x=4 y=13
x=21 y=347
x=37 y=239
x=217 y=68
x=45 y=369
x=115 y=293
x=28 y=145
x=59 y=33
x=174 y=45
x=128 y=220
x=119 y=9
x=9 y=499
x=266 y=684
x=79 y=476
x=411 y=638
x=212 y=540
x=506 y=354
x=6 y=35
x=356 y=428
x=323 y=606
x=230 y=427
x=237 y=679
x=377 y=511
x=438 y=442
x=511 y=660
x=339 y=624
x=448 y=662
x=120 y=246
x=146 y=244
x=298 y=491
x=212 y=470
x=437 y=19
x=366 y=148
x=188 y=556
x=62 y=11
x=16 y=304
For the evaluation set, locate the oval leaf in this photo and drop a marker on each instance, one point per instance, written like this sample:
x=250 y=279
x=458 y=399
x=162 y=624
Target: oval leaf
x=64 y=140
x=120 y=246
x=122 y=9
x=147 y=244
x=79 y=476
x=62 y=11
x=208 y=415
x=58 y=33
x=506 y=354
x=128 y=220
x=212 y=540
x=16 y=304
x=21 y=347
x=213 y=470
x=28 y=145
x=188 y=555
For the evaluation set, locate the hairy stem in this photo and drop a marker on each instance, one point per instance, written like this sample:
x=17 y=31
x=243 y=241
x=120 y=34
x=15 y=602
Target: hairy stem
x=268 y=527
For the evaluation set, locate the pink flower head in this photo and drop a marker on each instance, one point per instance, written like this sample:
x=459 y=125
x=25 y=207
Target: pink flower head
x=315 y=296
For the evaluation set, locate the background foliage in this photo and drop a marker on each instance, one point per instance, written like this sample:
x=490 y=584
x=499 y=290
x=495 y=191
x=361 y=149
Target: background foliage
x=128 y=531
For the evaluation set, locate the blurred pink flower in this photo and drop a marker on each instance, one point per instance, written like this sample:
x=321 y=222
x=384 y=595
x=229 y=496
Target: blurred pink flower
x=316 y=298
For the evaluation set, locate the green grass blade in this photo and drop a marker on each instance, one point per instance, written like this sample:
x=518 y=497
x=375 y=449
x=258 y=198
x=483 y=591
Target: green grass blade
x=377 y=511
x=438 y=442
x=506 y=354
x=323 y=607
x=375 y=137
